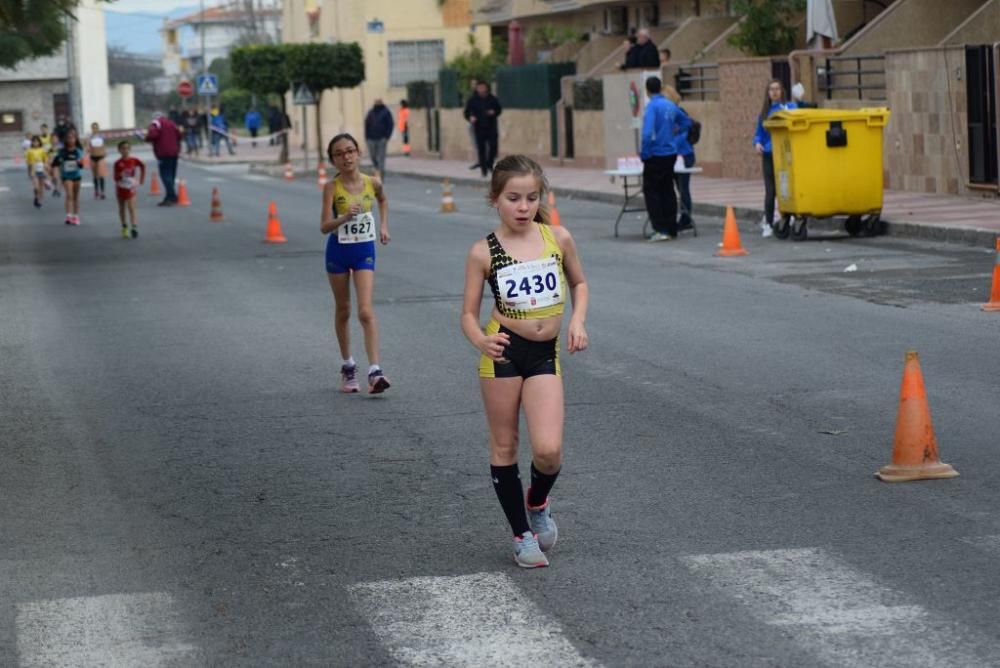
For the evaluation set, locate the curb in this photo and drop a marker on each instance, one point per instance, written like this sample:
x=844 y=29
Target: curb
x=967 y=236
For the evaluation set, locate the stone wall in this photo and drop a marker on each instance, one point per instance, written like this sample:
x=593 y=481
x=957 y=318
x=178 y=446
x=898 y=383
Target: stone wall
x=742 y=85
x=34 y=100
x=925 y=139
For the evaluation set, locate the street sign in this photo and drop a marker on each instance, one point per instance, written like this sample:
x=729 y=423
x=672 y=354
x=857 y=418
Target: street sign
x=208 y=84
x=303 y=95
x=185 y=89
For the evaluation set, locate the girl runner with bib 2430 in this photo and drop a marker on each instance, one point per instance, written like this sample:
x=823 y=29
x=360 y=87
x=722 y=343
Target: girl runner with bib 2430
x=530 y=268
x=350 y=251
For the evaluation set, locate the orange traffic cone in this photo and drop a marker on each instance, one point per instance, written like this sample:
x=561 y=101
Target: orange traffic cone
x=274 y=235
x=914 y=452
x=321 y=181
x=731 y=246
x=216 y=214
x=154 y=185
x=17 y=159
x=447 y=199
x=994 y=303
x=553 y=211
x=289 y=172
x=182 y=194
x=86 y=161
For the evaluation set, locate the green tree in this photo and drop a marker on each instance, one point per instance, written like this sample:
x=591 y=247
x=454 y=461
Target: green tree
x=262 y=70
x=320 y=67
x=474 y=64
x=548 y=37
x=223 y=74
x=765 y=29
x=32 y=28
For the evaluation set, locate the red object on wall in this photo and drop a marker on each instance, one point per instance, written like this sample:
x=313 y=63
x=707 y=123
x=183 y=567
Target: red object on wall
x=515 y=44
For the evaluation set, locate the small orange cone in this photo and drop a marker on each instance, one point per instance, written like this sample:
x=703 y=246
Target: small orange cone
x=447 y=199
x=182 y=194
x=289 y=172
x=994 y=303
x=731 y=246
x=553 y=211
x=914 y=452
x=274 y=235
x=321 y=181
x=86 y=161
x=216 y=214
x=154 y=185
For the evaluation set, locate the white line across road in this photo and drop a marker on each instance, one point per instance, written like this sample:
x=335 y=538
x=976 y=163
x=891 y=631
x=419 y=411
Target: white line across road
x=111 y=630
x=842 y=615
x=467 y=620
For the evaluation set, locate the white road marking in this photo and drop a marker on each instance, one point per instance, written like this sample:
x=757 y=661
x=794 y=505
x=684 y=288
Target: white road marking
x=215 y=179
x=467 y=620
x=985 y=543
x=841 y=614
x=258 y=177
x=4 y=189
x=111 y=630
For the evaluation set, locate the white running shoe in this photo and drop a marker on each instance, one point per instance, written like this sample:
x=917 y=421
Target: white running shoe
x=541 y=522
x=527 y=552
x=765 y=230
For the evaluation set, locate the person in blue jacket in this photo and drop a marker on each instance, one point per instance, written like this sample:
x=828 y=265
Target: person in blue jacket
x=659 y=123
x=220 y=131
x=685 y=151
x=252 y=121
x=774 y=100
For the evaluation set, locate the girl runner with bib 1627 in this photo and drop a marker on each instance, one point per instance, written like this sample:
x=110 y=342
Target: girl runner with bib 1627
x=350 y=250
x=530 y=268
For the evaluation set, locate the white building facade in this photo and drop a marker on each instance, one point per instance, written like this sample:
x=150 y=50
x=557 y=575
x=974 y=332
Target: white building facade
x=73 y=83
x=214 y=32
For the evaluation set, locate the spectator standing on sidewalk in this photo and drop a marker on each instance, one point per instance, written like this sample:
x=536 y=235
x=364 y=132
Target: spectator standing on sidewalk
x=166 y=140
x=378 y=129
x=273 y=124
x=685 y=152
x=404 y=126
x=252 y=121
x=644 y=54
x=220 y=131
x=774 y=100
x=482 y=111
x=191 y=131
x=661 y=121
x=472 y=126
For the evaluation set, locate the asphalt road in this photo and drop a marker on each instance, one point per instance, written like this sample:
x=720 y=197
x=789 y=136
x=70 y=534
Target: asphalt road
x=181 y=485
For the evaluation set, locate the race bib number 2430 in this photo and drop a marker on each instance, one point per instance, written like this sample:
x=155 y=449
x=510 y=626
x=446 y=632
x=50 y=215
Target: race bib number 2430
x=527 y=286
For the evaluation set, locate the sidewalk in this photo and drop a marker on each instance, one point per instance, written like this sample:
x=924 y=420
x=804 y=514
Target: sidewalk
x=946 y=218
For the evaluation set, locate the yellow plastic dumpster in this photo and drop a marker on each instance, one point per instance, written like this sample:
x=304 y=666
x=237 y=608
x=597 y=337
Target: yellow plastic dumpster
x=828 y=162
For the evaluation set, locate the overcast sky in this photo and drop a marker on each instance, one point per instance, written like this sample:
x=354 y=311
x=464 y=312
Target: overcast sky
x=151 y=6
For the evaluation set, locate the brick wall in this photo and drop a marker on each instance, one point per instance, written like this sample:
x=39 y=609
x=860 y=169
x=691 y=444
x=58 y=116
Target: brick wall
x=925 y=139
x=742 y=84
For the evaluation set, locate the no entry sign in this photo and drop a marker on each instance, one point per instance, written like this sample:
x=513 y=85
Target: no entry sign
x=185 y=89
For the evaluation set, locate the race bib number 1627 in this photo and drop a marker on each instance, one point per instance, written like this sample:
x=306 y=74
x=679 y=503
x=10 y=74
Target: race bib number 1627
x=356 y=231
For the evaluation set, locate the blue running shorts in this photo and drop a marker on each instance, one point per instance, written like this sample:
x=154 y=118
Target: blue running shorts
x=343 y=258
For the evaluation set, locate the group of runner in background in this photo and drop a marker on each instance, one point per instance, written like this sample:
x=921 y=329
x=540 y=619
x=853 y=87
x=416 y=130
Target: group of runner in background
x=56 y=161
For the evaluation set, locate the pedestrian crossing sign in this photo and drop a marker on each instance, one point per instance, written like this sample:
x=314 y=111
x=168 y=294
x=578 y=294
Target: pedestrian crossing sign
x=303 y=95
x=208 y=84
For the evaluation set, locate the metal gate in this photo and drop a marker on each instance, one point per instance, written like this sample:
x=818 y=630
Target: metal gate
x=982 y=104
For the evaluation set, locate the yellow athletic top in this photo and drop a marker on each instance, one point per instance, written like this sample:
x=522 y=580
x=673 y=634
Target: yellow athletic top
x=528 y=291
x=342 y=199
x=36 y=156
x=46 y=142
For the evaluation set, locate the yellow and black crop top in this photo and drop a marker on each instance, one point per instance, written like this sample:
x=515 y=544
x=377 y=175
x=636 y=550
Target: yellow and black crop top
x=530 y=296
x=343 y=199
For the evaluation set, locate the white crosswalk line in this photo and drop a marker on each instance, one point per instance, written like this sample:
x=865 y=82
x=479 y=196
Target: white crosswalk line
x=467 y=620
x=111 y=630
x=841 y=614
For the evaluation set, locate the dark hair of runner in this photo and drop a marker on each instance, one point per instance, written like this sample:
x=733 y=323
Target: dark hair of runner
x=767 y=97
x=76 y=140
x=35 y=139
x=513 y=166
x=337 y=138
x=123 y=142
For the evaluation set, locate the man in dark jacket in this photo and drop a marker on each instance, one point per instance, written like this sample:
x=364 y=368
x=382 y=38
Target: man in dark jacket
x=481 y=111
x=644 y=54
x=378 y=129
x=166 y=140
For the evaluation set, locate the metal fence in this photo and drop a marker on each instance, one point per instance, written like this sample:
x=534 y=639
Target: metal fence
x=698 y=82
x=864 y=75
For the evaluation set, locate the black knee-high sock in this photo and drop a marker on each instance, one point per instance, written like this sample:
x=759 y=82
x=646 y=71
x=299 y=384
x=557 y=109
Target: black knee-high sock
x=541 y=485
x=101 y=178
x=97 y=184
x=507 y=484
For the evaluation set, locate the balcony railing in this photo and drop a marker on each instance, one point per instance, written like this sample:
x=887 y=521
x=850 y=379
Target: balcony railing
x=861 y=75
x=698 y=82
